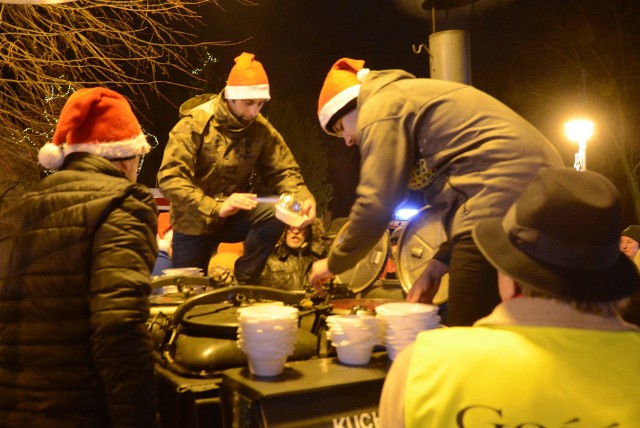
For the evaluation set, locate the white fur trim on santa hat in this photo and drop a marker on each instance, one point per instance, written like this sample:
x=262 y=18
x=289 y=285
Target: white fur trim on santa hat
x=335 y=104
x=52 y=156
x=112 y=150
x=253 y=92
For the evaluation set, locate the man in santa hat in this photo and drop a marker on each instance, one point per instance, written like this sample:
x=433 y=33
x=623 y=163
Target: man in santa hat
x=467 y=152
x=207 y=170
x=75 y=257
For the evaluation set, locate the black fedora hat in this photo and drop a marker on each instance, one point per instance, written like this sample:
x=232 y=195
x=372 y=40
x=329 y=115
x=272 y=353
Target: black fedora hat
x=561 y=237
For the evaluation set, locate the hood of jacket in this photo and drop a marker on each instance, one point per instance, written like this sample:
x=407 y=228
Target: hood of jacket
x=88 y=162
x=213 y=107
x=377 y=80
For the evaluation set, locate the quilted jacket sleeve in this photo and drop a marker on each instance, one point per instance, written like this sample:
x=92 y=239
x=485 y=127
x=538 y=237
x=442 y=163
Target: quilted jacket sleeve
x=124 y=250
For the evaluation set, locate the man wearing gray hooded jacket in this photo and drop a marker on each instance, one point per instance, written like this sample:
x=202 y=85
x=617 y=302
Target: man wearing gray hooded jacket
x=467 y=152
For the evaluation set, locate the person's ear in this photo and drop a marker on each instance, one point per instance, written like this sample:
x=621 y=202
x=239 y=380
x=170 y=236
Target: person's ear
x=129 y=167
x=507 y=287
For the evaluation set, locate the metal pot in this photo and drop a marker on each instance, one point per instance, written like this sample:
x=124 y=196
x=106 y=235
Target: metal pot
x=201 y=338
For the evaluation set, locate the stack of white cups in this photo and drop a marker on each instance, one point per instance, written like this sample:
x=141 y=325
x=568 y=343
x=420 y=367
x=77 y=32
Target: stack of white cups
x=267 y=334
x=354 y=337
x=401 y=322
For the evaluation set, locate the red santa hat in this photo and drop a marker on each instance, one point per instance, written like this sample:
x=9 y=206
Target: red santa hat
x=98 y=121
x=340 y=87
x=247 y=79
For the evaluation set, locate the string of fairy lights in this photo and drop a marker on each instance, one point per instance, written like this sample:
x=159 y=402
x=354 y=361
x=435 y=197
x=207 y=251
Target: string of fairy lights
x=35 y=138
x=209 y=59
x=57 y=94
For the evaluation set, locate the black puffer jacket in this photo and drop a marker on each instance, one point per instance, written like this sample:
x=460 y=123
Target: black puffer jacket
x=75 y=256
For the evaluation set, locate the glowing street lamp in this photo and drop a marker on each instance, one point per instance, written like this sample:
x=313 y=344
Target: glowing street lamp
x=579 y=131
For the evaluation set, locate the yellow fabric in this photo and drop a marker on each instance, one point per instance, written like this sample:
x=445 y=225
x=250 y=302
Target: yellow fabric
x=546 y=377
x=421 y=176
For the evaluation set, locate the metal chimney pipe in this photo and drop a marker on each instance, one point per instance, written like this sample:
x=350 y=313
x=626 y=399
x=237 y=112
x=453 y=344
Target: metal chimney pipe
x=450 y=56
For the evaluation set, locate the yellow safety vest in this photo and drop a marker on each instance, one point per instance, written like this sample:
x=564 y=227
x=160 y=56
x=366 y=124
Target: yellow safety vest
x=524 y=377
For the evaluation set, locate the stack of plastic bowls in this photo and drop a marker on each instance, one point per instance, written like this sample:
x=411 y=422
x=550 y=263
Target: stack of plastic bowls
x=267 y=334
x=354 y=337
x=401 y=322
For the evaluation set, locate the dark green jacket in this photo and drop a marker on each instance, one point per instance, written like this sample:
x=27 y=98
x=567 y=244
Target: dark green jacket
x=210 y=152
x=75 y=257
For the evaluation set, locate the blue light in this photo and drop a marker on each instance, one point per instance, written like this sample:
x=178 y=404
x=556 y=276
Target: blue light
x=405 y=213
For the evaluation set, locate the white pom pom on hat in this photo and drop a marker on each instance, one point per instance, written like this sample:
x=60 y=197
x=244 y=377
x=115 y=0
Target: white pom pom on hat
x=51 y=156
x=95 y=120
x=247 y=79
x=341 y=85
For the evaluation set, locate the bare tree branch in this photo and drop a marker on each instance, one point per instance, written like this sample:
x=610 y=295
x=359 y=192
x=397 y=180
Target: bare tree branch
x=49 y=51
x=132 y=44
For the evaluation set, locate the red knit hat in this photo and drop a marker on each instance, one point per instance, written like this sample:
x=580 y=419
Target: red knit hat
x=341 y=86
x=98 y=121
x=247 y=79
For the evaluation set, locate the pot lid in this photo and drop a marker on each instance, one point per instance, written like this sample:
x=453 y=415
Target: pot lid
x=369 y=268
x=213 y=320
x=417 y=245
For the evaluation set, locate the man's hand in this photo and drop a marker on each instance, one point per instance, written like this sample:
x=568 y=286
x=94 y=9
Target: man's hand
x=427 y=285
x=308 y=209
x=319 y=273
x=237 y=202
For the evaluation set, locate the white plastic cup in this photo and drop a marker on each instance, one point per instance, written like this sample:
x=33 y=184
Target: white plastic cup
x=355 y=355
x=393 y=351
x=267 y=335
x=266 y=366
x=261 y=313
x=353 y=328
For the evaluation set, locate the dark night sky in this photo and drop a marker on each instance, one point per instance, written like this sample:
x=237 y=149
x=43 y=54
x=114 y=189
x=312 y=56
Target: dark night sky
x=299 y=40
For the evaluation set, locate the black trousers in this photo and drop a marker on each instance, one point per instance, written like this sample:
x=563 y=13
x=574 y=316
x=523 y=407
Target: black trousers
x=259 y=229
x=473 y=283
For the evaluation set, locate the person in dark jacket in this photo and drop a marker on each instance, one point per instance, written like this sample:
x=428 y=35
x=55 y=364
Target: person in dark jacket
x=289 y=265
x=75 y=260
x=468 y=153
x=208 y=169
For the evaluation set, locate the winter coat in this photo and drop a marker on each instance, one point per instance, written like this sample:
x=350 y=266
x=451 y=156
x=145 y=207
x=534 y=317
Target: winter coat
x=75 y=257
x=477 y=155
x=288 y=269
x=210 y=153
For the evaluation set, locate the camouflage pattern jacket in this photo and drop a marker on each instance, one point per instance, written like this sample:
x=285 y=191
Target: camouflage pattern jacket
x=210 y=153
